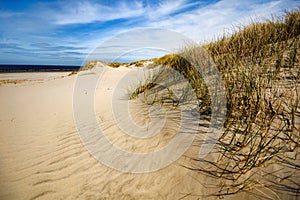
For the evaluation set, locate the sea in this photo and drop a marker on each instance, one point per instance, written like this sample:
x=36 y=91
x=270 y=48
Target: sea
x=37 y=68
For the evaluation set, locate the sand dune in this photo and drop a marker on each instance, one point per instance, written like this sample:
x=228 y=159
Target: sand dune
x=42 y=156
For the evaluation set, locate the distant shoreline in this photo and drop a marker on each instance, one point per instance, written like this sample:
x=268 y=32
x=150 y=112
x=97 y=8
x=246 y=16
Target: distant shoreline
x=4 y=68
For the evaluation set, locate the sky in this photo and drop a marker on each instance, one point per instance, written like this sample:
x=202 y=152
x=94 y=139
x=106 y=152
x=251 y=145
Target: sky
x=65 y=32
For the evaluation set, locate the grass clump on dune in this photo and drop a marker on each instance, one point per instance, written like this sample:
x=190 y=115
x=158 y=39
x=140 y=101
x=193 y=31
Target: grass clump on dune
x=138 y=63
x=261 y=73
x=181 y=65
x=93 y=63
x=89 y=65
x=248 y=41
x=114 y=64
x=260 y=69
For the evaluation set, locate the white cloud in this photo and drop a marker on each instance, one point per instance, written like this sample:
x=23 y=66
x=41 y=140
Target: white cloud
x=81 y=12
x=165 y=8
x=205 y=23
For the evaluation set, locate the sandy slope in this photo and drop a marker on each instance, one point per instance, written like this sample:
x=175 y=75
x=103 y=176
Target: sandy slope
x=42 y=156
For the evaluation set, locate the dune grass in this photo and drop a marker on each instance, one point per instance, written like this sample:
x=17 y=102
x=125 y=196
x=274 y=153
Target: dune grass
x=89 y=65
x=138 y=63
x=114 y=64
x=260 y=69
x=17 y=81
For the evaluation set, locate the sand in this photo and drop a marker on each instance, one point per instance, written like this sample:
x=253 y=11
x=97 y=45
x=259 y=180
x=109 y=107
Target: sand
x=43 y=157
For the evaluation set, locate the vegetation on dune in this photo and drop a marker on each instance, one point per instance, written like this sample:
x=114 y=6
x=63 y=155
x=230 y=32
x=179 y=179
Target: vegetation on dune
x=138 y=63
x=91 y=64
x=73 y=73
x=180 y=63
x=14 y=81
x=260 y=69
x=114 y=64
x=248 y=41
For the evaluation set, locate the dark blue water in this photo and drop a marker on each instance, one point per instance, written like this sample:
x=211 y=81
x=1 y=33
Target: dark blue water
x=37 y=68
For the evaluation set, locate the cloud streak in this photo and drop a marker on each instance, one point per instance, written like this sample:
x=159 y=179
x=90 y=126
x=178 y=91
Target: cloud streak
x=82 y=12
x=205 y=23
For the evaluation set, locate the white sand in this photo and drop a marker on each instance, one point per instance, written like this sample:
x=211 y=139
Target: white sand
x=42 y=156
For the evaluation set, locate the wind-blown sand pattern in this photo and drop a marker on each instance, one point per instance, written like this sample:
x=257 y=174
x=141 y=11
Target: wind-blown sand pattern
x=42 y=156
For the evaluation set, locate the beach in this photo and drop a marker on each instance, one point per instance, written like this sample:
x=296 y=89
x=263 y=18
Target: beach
x=43 y=157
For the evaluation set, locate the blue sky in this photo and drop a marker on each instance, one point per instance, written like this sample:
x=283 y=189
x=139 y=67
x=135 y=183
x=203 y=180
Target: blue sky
x=65 y=32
